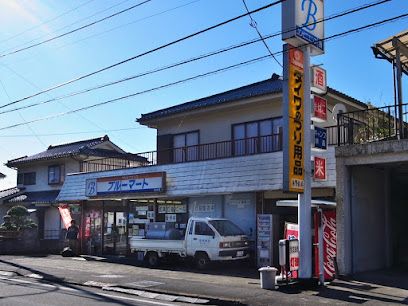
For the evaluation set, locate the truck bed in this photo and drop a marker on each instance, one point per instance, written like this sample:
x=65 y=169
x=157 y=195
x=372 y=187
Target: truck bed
x=158 y=245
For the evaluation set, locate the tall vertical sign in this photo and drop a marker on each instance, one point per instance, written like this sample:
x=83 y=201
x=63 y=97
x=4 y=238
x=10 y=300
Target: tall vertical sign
x=303 y=28
x=293 y=148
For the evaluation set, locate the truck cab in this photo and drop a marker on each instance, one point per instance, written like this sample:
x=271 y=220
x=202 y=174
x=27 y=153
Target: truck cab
x=215 y=239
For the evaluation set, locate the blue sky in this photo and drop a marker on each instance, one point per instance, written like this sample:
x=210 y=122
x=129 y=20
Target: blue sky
x=349 y=62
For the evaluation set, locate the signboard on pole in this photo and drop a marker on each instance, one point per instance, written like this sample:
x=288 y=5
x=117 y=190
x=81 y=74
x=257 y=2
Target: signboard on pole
x=65 y=215
x=293 y=145
x=302 y=24
x=293 y=254
x=320 y=171
x=319 y=109
x=319 y=82
x=320 y=138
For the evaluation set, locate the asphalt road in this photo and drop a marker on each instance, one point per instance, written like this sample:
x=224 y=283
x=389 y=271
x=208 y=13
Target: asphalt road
x=21 y=291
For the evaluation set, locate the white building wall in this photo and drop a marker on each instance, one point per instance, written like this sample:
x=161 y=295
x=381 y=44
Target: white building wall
x=230 y=175
x=41 y=170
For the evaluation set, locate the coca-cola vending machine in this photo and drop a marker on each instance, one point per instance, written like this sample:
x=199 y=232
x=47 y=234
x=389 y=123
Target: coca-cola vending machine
x=327 y=221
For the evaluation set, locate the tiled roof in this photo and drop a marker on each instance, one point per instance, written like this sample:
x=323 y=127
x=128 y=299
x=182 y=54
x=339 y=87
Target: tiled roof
x=10 y=192
x=270 y=86
x=39 y=197
x=72 y=149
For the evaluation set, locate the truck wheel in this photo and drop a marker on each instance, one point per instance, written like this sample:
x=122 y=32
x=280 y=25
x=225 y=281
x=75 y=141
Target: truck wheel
x=202 y=261
x=152 y=259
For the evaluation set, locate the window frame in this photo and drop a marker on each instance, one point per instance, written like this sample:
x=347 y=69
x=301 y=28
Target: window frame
x=22 y=178
x=181 y=154
x=61 y=169
x=257 y=149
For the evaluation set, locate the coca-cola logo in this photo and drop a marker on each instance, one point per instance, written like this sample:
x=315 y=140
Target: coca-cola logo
x=329 y=243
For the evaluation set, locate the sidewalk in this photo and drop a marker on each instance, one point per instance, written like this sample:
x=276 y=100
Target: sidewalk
x=222 y=285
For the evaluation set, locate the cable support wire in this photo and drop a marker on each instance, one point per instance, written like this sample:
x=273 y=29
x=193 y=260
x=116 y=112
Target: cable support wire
x=142 y=54
x=200 y=57
x=75 y=30
x=255 y=26
x=248 y=62
x=347 y=12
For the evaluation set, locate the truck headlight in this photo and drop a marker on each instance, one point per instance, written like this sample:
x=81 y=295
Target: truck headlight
x=224 y=245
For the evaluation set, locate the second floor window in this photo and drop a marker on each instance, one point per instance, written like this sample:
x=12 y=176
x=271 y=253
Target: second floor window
x=185 y=147
x=257 y=136
x=56 y=174
x=27 y=178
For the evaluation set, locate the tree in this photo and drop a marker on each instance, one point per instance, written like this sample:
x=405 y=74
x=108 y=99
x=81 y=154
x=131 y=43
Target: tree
x=17 y=219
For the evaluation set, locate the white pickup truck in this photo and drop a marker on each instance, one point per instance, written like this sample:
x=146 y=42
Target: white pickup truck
x=205 y=240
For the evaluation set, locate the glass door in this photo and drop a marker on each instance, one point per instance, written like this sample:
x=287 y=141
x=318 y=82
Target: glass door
x=115 y=236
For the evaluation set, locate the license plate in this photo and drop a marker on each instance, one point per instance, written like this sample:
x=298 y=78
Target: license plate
x=240 y=253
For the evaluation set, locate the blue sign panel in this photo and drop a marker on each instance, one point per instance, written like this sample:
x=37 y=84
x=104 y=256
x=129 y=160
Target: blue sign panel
x=320 y=138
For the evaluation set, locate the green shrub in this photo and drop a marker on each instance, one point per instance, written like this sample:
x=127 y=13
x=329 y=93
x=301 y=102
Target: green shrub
x=17 y=219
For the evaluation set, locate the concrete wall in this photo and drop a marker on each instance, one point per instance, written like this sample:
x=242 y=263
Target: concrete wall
x=368 y=203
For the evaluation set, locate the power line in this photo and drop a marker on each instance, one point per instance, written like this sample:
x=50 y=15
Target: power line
x=255 y=26
x=143 y=53
x=126 y=24
x=47 y=21
x=68 y=25
x=75 y=30
x=74 y=133
x=217 y=52
x=359 y=29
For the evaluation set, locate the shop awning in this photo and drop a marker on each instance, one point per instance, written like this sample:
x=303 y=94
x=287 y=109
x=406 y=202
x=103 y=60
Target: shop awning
x=315 y=203
x=35 y=198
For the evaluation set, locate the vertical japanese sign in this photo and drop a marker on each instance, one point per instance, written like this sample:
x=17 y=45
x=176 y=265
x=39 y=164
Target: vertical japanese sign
x=320 y=173
x=293 y=149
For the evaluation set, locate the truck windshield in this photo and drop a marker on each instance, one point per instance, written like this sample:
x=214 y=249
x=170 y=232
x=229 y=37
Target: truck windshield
x=226 y=228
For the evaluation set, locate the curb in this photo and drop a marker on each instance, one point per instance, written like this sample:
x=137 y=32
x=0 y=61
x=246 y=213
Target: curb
x=164 y=295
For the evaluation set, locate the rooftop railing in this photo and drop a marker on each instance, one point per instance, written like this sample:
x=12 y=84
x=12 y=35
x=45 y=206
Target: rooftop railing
x=201 y=152
x=372 y=124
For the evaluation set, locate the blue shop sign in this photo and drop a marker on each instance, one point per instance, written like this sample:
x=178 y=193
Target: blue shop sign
x=320 y=138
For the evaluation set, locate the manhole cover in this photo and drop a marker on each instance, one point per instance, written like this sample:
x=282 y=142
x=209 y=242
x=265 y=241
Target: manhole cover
x=146 y=284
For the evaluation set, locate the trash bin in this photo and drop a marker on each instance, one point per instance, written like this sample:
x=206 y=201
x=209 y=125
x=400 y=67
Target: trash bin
x=268 y=275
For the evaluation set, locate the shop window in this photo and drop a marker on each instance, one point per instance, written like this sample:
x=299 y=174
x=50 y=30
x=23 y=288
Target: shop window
x=28 y=178
x=56 y=174
x=185 y=147
x=202 y=228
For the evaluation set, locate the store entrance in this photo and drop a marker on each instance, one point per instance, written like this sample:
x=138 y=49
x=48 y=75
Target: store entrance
x=115 y=233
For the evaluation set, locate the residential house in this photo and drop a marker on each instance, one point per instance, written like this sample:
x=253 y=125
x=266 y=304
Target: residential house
x=41 y=176
x=219 y=156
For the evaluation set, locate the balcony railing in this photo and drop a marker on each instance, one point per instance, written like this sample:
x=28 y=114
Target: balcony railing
x=202 y=152
x=372 y=124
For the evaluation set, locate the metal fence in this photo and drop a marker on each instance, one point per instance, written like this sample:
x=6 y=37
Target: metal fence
x=372 y=124
x=203 y=152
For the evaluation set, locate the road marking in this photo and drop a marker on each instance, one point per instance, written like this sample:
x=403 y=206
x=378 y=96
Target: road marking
x=38 y=284
x=135 y=299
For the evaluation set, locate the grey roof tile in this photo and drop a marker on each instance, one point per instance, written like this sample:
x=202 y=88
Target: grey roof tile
x=270 y=86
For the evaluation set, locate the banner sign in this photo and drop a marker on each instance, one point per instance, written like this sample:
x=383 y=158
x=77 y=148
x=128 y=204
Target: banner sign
x=319 y=84
x=293 y=149
x=65 y=215
x=320 y=169
x=302 y=24
x=291 y=231
x=147 y=182
x=319 y=109
x=329 y=244
x=320 y=138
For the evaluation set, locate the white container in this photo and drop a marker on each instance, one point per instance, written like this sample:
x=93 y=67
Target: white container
x=268 y=275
